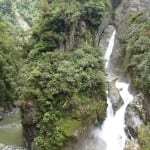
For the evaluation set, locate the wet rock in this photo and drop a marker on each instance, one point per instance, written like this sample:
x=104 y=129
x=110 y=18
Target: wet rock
x=129 y=6
x=116 y=99
x=107 y=31
x=120 y=40
x=29 y=127
x=131 y=132
x=135 y=112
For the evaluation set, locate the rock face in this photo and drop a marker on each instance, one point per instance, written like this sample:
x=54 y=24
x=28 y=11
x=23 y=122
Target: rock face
x=129 y=6
x=78 y=26
x=29 y=127
x=117 y=101
x=139 y=110
x=107 y=30
x=126 y=8
x=146 y=103
x=135 y=112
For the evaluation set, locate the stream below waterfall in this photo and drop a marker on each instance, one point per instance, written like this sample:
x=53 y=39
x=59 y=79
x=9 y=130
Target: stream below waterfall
x=11 y=137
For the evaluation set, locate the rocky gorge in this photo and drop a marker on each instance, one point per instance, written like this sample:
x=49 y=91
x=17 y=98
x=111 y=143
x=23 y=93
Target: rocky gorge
x=61 y=86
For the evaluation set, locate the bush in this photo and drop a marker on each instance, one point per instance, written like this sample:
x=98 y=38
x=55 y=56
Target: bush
x=67 y=85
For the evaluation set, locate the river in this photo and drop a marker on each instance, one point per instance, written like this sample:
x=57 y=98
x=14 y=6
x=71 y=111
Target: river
x=11 y=137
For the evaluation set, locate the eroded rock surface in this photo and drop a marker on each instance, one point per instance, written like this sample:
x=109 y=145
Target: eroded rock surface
x=129 y=6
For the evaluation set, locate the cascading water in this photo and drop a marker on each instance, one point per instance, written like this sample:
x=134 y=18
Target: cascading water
x=109 y=50
x=112 y=131
x=111 y=135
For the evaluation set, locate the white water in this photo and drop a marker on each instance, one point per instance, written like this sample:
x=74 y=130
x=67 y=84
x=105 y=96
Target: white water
x=111 y=135
x=112 y=131
x=109 y=49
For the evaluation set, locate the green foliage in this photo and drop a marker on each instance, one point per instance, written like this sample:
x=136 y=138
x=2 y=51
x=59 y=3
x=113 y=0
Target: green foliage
x=6 y=10
x=11 y=52
x=93 y=12
x=136 y=51
x=67 y=85
x=144 y=137
x=134 y=16
x=5 y=63
x=28 y=9
x=61 y=23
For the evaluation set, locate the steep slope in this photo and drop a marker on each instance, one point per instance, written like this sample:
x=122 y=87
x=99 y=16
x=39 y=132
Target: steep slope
x=135 y=50
x=132 y=55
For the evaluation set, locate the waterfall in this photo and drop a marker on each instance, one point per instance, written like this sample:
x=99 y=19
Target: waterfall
x=112 y=131
x=111 y=134
x=109 y=49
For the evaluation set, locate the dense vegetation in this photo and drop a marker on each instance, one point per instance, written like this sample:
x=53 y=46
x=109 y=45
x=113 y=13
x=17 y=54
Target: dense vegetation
x=64 y=72
x=136 y=51
x=64 y=25
x=11 y=41
x=9 y=35
x=68 y=87
x=28 y=9
x=6 y=68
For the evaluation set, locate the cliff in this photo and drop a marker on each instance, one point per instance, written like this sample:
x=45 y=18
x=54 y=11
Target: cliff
x=61 y=87
x=132 y=56
x=133 y=46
